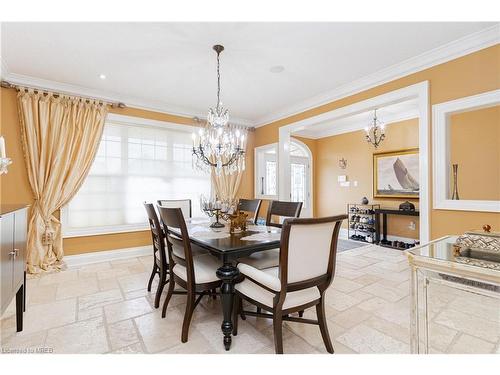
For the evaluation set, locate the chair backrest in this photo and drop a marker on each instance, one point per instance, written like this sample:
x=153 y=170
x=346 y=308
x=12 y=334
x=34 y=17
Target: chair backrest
x=282 y=209
x=157 y=234
x=174 y=218
x=251 y=206
x=183 y=204
x=308 y=252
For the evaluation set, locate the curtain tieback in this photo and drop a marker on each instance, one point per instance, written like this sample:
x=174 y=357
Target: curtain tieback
x=47 y=235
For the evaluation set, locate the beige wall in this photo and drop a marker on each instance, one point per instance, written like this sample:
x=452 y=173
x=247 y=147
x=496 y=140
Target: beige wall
x=14 y=186
x=465 y=76
x=468 y=75
x=475 y=147
x=332 y=199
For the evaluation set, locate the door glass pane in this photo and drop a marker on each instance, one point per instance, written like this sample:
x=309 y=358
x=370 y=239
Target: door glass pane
x=270 y=185
x=298 y=183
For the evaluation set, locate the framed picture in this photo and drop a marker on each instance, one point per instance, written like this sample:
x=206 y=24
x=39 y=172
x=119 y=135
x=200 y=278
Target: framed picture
x=396 y=174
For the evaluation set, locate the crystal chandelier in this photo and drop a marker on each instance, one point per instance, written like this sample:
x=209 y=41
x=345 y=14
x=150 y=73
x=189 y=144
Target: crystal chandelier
x=219 y=144
x=376 y=133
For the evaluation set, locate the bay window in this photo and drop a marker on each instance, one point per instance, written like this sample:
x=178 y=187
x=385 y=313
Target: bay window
x=138 y=160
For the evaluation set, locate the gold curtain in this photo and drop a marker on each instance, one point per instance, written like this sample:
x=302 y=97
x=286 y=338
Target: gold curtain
x=225 y=186
x=60 y=137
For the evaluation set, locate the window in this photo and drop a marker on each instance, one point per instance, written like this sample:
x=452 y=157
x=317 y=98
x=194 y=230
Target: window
x=298 y=176
x=270 y=187
x=137 y=161
x=266 y=172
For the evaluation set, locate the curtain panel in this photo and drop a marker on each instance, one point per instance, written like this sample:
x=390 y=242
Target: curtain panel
x=60 y=137
x=225 y=186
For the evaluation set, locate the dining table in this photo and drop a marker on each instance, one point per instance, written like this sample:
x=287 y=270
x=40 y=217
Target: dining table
x=229 y=247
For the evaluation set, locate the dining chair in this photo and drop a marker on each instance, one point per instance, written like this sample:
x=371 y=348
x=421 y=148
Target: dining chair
x=160 y=263
x=300 y=280
x=251 y=206
x=195 y=274
x=270 y=258
x=184 y=204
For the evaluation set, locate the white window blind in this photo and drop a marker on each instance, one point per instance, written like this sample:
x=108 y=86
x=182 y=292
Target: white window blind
x=135 y=163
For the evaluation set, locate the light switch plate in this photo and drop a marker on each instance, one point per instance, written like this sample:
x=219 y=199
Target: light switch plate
x=342 y=178
x=345 y=184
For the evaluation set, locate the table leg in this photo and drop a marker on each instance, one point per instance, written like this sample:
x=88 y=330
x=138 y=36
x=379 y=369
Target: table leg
x=384 y=226
x=227 y=273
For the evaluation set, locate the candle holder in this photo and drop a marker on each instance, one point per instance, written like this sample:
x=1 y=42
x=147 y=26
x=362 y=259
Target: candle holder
x=218 y=209
x=214 y=212
x=4 y=163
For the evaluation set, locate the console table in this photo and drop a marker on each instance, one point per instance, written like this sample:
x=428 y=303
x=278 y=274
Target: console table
x=458 y=292
x=13 y=225
x=384 y=212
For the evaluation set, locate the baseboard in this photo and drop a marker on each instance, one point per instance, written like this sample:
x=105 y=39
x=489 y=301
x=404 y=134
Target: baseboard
x=344 y=235
x=105 y=256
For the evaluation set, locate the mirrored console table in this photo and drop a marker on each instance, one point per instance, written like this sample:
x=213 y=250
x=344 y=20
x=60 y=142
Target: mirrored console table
x=455 y=304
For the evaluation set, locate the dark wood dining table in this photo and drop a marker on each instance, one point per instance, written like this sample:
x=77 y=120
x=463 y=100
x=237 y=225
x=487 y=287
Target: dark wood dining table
x=229 y=247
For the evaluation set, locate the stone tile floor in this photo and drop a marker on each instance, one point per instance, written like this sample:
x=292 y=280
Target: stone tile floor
x=105 y=308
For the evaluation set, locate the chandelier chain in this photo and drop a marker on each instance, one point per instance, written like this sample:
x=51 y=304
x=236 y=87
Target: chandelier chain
x=218 y=79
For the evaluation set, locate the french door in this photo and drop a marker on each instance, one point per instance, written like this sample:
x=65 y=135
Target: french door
x=300 y=174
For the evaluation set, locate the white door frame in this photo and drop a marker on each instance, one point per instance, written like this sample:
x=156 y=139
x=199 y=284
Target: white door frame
x=419 y=91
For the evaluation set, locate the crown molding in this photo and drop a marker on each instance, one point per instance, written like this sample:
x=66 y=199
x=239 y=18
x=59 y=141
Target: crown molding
x=455 y=49
x=450 y=51
x=130 y=101
x=337 y=129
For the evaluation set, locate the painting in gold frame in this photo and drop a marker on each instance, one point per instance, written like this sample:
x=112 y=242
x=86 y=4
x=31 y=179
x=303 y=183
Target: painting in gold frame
x=396 y=174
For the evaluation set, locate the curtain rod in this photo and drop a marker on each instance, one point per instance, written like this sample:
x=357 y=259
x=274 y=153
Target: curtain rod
x=8 y=85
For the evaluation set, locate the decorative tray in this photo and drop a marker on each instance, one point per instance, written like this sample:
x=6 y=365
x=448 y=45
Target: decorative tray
x=479 y=249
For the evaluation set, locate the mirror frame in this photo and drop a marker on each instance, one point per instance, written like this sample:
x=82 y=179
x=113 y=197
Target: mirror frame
x=441 y=114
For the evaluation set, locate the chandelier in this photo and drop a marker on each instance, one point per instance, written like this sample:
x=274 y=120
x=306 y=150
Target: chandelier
x=218 y=144
x=375 y=134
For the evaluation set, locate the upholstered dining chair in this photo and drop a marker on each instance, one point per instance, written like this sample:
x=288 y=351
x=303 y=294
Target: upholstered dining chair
x=270 y=258
x=195 y=274
x=184 y=204
x=306 y=270
x=251 y=206
x=160 y=263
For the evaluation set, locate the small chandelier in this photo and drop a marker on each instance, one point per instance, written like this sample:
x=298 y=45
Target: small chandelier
x=218 y=144
x=375 y=134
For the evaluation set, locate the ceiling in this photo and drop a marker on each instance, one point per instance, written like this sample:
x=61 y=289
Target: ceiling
x=171 y=66
x=391 y=113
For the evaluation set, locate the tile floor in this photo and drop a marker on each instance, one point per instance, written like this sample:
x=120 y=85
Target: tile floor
x=105 y=308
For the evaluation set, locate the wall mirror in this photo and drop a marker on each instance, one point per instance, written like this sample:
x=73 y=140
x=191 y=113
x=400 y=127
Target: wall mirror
x=466 y=153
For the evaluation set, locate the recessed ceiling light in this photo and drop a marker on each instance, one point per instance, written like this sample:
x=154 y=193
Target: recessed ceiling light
x=102 y=76
x=277 y=69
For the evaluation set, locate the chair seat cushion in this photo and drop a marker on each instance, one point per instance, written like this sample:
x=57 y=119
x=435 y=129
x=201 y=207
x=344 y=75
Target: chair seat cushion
x=292 y=299
x=205 y=267
x=263 y=259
